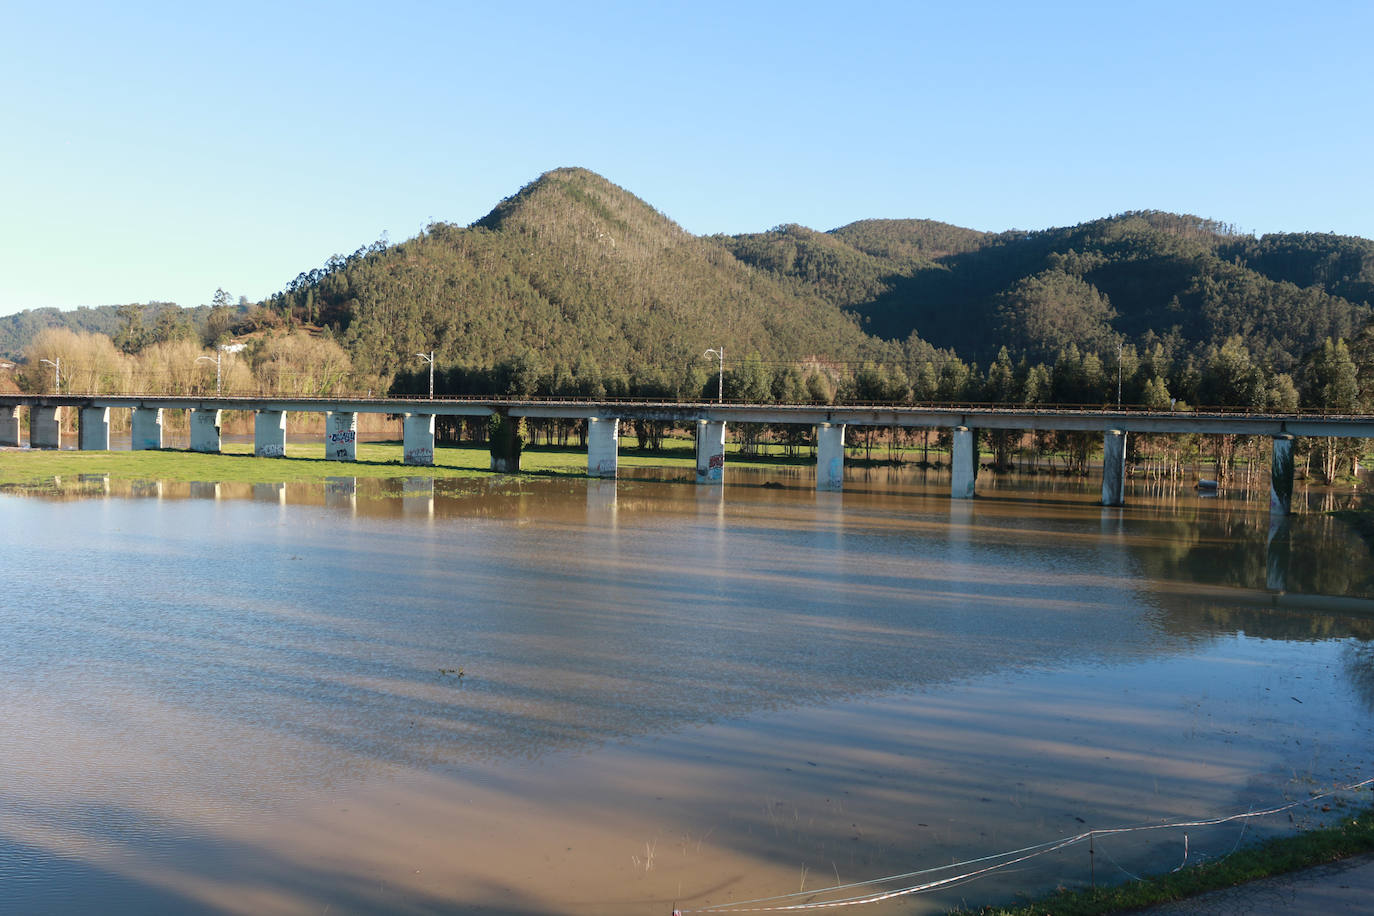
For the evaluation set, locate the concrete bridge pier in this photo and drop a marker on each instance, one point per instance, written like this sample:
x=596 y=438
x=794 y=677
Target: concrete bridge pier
x=269 y=434
x=341 y=435
x=417 y=439
x=93 y=429
x=963 y=457
x=45 y=427
x=1114 y=468
x=1281 y=477
x=145 y=424
x=830 y=456
x=603 y=447
x=9 y=426
x=204 y=430
x=506 y=438
x=711 y=451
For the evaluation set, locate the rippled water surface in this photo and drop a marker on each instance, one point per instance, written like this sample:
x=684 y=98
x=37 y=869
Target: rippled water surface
x=586 y=697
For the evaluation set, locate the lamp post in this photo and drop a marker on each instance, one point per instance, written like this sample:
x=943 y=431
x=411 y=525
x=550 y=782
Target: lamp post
x=429 y=359
x=56 y=373
x=219 y=352
x=720 y=384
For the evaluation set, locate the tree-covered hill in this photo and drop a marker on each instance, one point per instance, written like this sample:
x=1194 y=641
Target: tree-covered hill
x=16 y=331
x=19 y=330
x=571 y=275
x=1143 y=277
x=1341 y=265
x=813 y=263
x=854 y=264
x=914 y=241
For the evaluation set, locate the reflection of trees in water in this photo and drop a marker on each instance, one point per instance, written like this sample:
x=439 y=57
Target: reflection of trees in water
x=1215 y=543
x=1219 y=542
x=1189 y=616
x=1328 y=558
x=1359 y=667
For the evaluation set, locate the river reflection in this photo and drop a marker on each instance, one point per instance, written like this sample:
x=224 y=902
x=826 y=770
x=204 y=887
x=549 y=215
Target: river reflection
x=570 y=696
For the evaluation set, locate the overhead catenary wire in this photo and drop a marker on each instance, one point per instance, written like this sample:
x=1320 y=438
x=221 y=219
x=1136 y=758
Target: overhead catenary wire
x=1013 y=857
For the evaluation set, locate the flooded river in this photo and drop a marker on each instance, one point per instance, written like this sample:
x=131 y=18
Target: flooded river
x=561 y=696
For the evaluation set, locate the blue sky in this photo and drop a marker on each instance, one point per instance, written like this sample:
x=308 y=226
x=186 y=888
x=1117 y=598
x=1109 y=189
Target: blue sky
x=159 y=151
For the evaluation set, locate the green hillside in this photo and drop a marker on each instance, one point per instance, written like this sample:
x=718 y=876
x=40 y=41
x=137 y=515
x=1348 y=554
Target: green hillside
x=16 y=331
x=573 y=276
x=1143 y=277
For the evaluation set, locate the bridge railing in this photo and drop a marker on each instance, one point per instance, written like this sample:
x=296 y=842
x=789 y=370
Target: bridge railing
x=1045 y=409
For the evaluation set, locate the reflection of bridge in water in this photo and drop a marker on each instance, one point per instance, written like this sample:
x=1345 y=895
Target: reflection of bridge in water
x=1312 y=563
x=709 y=421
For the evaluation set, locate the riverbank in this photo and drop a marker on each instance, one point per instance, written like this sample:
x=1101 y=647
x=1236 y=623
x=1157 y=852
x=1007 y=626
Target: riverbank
x=41 y=469
x=1353 y=836
x=25 y=469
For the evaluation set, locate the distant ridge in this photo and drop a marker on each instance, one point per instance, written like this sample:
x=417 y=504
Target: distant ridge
x=1147 y=277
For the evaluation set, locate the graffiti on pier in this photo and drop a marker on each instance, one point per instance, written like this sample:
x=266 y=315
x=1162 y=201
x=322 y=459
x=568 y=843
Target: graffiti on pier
x=419 y=455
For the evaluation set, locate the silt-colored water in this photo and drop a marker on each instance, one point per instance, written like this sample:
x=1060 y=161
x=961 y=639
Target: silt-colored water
x=247 y=699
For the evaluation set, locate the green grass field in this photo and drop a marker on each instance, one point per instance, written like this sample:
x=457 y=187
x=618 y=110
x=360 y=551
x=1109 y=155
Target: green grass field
x=24 y=468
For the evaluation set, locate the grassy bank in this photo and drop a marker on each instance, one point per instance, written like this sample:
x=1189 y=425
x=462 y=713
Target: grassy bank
x=25 y=469
x=1352 y=836
x=37 y=469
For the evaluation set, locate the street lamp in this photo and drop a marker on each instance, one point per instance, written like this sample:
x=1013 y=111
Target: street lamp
x=720 y=385
x=56 y=373
x=219 y=352
x=429 y=359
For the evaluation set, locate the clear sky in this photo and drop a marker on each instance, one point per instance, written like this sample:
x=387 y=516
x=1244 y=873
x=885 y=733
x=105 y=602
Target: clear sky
x=159 y=151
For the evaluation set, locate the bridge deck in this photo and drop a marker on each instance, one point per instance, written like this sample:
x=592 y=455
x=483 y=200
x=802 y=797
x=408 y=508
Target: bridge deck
x=1307 y=423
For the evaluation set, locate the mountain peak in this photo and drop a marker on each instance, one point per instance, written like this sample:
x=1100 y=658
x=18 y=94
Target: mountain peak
x=581 y=200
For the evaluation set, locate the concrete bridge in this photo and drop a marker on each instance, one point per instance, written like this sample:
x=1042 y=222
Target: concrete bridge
x=708 y=419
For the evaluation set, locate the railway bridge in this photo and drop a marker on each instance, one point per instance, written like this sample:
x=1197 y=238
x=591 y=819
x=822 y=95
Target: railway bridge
x=709 y=419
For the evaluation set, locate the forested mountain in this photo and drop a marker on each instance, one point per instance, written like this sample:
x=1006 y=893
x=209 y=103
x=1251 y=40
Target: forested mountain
x=1143 y=277
x=1339 y=264
x=579 y=281
x=856 y=263
x=16 y=331
x=157 y=320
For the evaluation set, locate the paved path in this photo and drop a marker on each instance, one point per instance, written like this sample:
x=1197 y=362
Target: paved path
x=1345 y=887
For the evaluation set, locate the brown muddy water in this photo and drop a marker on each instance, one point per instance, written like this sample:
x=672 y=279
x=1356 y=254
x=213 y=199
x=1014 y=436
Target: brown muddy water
x=523 y=696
